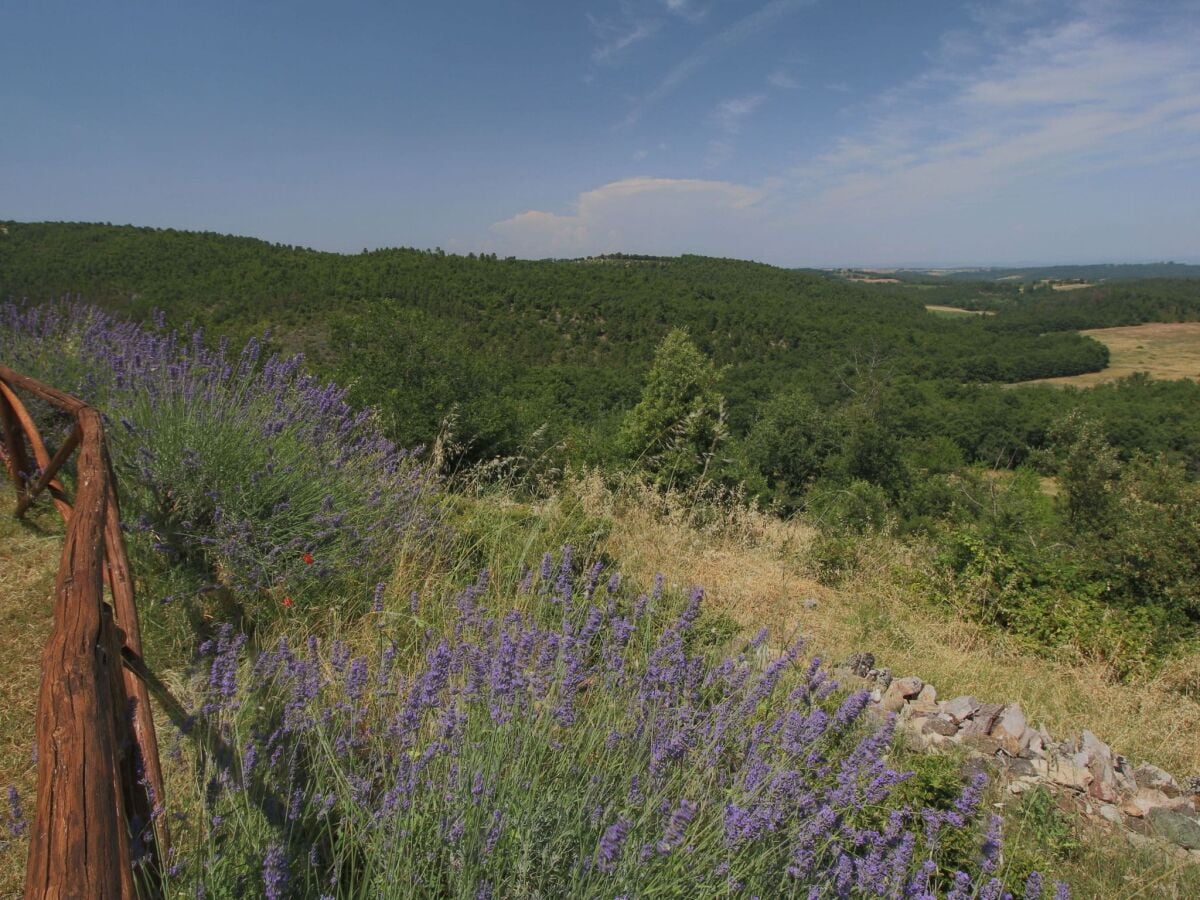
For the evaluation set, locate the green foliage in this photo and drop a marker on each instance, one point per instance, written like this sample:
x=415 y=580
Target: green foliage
x=678 y=427
x=792 y=444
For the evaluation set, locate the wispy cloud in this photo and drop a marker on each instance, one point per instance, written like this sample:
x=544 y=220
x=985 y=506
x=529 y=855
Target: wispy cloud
x=730 y=114
x=1080 y=92
x=740 y=31
x=782 y=80
x=686 y=9
x=617 y=38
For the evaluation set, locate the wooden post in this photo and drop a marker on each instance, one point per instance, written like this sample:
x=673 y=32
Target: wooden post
x=79 y=845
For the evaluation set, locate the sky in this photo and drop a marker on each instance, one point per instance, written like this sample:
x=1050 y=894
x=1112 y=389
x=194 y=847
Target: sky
x=796 y=132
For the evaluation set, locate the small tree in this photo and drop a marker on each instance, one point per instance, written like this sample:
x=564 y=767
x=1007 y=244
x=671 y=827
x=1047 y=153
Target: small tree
x=676 y=428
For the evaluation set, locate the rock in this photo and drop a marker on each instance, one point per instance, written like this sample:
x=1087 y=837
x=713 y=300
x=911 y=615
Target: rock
x=1175 y=827
x=1009 y=729
x=1027 y=768
x=1150 y=776
x=941 y=724
x=1066 y=774
x=860 y=663
x=1132 y=809
x=1110 y=813
x=1147 y=799
x=961 y=708
x=899 y=691
x=883 y=677
x=1104 y=787
x=985 y=717
x=810 y=603
x=979 y=742
x=1032 y=746
x=928 y=694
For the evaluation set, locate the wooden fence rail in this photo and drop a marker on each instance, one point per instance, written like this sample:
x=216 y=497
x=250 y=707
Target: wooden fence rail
x=99 y=777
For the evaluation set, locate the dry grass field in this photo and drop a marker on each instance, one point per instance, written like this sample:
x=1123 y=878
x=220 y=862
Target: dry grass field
x=956 y=311
x=759 y=571
x=1169 y=350
x=28 y=562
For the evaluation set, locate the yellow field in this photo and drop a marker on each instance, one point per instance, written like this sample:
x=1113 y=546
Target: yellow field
x=1164 y=350
x=957 y=311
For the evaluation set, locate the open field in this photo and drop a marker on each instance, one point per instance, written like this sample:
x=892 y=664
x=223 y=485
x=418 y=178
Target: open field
x=1167 y=350
x=956 y=311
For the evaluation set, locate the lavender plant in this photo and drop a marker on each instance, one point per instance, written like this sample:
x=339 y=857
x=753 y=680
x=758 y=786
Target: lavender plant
x=575 y=749
x=241 y=474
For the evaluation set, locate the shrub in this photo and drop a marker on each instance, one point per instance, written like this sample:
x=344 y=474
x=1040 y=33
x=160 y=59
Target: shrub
x=241 y=477
x=578 y=749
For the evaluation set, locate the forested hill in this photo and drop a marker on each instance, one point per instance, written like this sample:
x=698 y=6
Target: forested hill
x=509 y=345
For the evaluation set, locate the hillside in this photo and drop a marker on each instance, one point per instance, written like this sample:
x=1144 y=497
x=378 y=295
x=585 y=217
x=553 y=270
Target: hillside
x=512 y=345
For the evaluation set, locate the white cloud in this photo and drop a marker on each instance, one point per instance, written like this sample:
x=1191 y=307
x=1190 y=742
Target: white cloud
x=730 y=114
x=686 y=9
x=1079 y=93
x=616 y=39
x=647 y=215
x=782 y=80
x=740 y=31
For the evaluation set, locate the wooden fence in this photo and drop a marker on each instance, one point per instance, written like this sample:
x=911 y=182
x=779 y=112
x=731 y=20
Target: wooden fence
x=99 y=778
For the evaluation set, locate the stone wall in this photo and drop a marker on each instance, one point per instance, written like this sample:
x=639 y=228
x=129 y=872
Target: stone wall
x=1146 y=804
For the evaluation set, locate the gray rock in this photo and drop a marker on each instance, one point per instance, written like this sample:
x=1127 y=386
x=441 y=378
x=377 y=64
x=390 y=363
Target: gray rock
x=1110 y=813
x=1027 y=768
x=1066 y=774
x=900 y=691
x=961 y=708
x=941 y=724
x=1009 y=729
x=1175 y=827
x=860 y=663
x=1154 y=778
x=982 y=743
x=1104 y=787
x=928 y=694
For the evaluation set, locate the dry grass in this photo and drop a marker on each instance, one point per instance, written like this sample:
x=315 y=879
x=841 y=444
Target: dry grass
x=758 y=570
x=28 y=563
x=1168 y=350
x=957 y=311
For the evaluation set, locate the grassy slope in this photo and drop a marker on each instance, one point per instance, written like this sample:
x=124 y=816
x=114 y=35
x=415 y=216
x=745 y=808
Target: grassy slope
x=757 y=570
x=28 y=562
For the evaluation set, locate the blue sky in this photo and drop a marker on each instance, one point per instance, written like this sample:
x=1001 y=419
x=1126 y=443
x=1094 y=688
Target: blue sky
x=799 y=132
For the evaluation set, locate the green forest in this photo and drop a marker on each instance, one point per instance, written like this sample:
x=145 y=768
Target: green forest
x=849 y=402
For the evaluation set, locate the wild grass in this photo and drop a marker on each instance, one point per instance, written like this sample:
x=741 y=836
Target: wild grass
x=763 y=571
x=29 y=555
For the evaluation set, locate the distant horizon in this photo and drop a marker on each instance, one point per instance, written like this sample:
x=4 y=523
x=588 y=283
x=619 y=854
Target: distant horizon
x=795 y=132
x=860 y=267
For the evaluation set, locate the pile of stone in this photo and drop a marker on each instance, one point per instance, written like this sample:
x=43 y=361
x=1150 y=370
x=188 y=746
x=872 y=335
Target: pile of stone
x=1149 y=805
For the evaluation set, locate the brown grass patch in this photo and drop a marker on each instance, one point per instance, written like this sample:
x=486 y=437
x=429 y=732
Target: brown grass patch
x=760 y=572
x=957 y=310
x=28 y=563
x=1168 y=350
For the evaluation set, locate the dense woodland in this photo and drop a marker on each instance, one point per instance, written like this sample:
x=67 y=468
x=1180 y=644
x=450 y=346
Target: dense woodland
x=848 y=401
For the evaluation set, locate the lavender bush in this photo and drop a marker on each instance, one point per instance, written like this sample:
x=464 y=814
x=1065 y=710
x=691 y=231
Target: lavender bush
x=574 y=749
x=241 y=475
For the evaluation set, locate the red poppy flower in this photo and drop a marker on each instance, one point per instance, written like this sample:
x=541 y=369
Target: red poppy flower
x=288 y=601
x=308 y=559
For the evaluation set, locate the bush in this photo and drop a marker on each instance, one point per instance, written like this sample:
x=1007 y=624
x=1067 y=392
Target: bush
x=577 y=749
x=246 y=484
